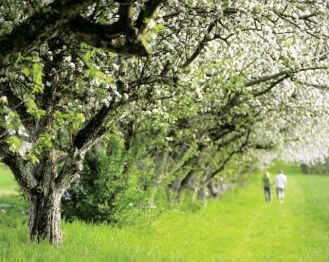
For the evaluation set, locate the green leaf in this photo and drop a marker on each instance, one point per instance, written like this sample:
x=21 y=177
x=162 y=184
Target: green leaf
x=37 y=76
x=34 y=159
x=158 y=28
x=26 y=71
x=88 y=56
x=14 y=143
x=78 y=120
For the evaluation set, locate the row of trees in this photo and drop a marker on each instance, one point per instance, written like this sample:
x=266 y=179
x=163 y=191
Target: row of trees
x=196 y=91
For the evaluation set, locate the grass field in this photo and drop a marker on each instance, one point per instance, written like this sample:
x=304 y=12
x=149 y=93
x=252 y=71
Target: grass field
x=7 y=182
x=240 y=227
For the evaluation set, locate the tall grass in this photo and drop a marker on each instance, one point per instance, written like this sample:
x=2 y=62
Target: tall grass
x=239 y=227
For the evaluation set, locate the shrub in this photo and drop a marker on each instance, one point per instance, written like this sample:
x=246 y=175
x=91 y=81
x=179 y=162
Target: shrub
x=110 y=188
x=321 y=168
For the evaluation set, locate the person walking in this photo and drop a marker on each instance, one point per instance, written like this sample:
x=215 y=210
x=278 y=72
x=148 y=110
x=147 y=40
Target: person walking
x=281 y=185
x=267 y=186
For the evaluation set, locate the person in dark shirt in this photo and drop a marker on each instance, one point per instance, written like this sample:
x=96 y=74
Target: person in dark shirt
x=267 y=183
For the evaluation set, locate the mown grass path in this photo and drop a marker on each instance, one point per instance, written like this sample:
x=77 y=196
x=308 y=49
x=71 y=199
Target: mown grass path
x=297 y=230
x=240 y=227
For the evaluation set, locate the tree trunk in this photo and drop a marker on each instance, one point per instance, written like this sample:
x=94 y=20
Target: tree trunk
x=150 y=202
x=201 y=193
x=45 y=217
x=168 y=195
x=214 y=189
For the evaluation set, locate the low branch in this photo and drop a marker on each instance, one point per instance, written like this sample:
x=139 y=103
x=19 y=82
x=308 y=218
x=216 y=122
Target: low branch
x=94 y=129
x=114 y=37
x=40 y=27
x=208 y=178
x=230 y=140
x=71 y=169
x=185 y=181
x=125 y=13
x=148 y=12
x=18 y=167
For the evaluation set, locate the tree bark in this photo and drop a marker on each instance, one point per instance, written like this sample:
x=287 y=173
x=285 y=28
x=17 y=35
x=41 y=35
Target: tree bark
x=45 y=217
x=182 y=185
x=168 y=195
x=201 y=193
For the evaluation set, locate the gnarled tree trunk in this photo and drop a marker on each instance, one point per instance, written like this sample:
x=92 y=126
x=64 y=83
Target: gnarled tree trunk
x=45 y=216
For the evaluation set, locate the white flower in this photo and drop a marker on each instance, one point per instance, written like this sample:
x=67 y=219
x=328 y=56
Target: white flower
x=3 y=100
x=72 y=65
x=67 y=59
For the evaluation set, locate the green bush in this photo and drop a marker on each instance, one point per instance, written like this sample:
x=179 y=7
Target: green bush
x=110 y=188
x=321 y=168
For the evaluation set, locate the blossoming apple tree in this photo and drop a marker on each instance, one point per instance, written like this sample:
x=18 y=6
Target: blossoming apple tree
x=230 y=75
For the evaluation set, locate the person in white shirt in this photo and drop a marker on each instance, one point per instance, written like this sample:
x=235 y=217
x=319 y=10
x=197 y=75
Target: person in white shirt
x=281 y=185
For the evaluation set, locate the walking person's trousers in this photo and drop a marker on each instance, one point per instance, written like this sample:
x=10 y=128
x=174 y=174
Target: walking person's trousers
x=267 y=191
x=280 y=193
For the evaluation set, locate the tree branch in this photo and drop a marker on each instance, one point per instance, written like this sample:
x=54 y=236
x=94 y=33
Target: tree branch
x=148 y=12
x=199 y=48
x=94 y=129
x=262 y=92
x=40 y=27
x=17 y=105
x=266 y=78
x=318 y=86
x=112 y=37
x=125 y=13
x=16 y=163
x=286 y=72
x=208 y=178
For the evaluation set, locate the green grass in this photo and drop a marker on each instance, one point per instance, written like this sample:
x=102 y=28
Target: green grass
x=8 y=185
x=240 y=227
